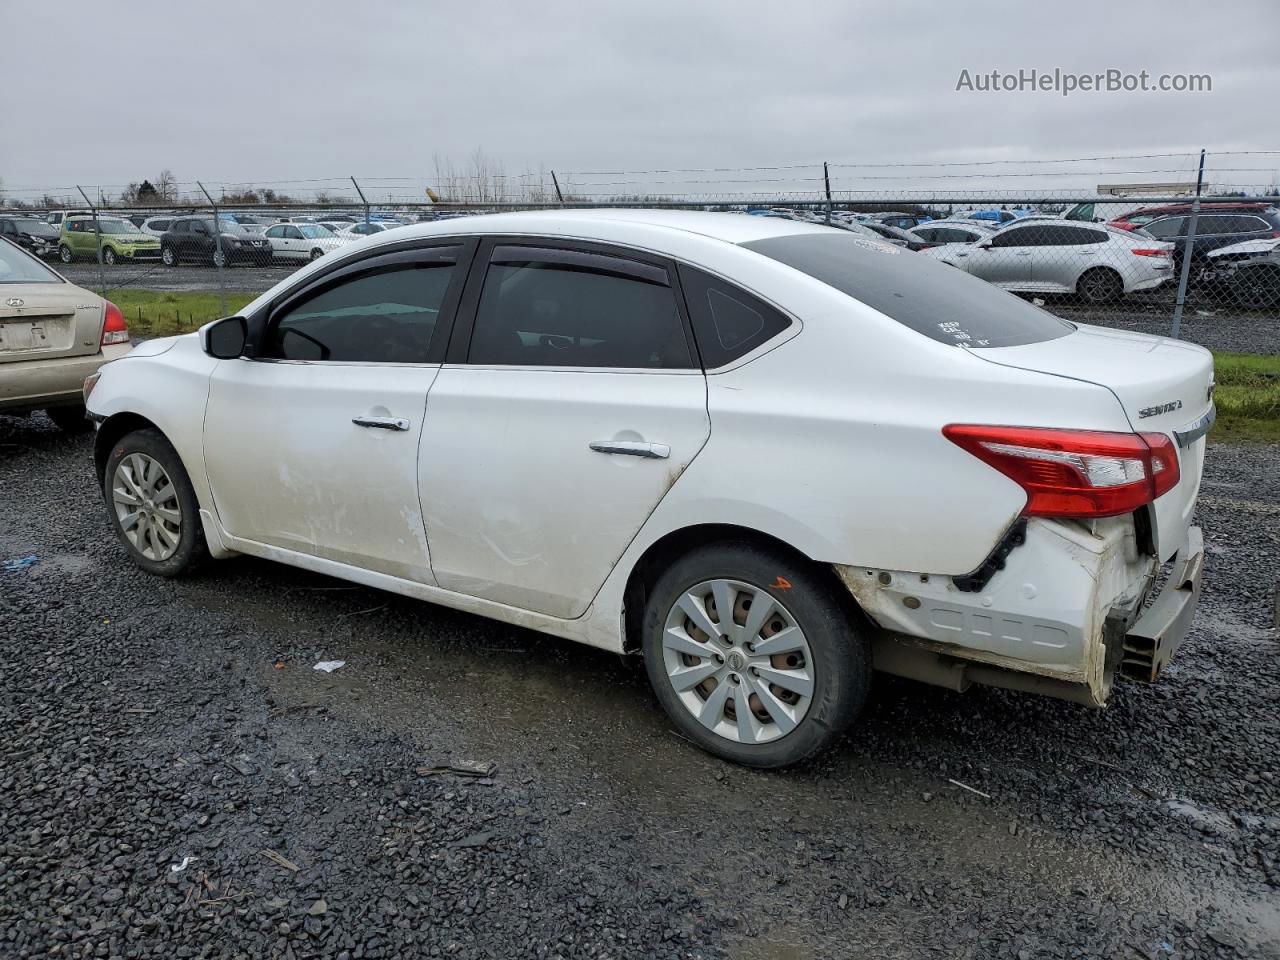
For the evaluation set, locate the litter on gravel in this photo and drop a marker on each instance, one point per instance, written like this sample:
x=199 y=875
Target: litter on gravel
x=20 y=563
x=328 y=666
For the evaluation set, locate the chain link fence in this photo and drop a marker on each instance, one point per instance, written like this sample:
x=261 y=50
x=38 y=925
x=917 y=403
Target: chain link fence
x=1099 y=239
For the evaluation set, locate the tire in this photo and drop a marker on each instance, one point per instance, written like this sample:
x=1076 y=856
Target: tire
x=69 y=419
x=65 y=254
x=1262 y=289
x=316 y=254
x=169 y=256
x=1100 y=285
x=218 y=258
x=180 y=550
x=831 y=658
x=109 y=256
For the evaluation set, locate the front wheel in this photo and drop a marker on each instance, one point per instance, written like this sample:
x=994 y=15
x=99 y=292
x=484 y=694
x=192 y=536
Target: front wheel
x=317 y=254
x=152 y=505
x=168 y=256
x=754 y=656
x=64 y=254
x=219 y=258
x=109 y=256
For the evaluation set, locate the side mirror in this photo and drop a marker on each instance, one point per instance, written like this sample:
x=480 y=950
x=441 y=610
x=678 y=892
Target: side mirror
x=225 y=339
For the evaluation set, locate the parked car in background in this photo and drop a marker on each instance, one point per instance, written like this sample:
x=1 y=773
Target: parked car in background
x=156 y=226
x=33 y=235
x=52 y=336
x=120 y=240
x=994 y=216
x=1138 y=219
x=896 y=236
x=302 y=241
x=937 y=233
x=444 y=378
x=903 y=221
x=363 y=229
x=221 y=244
x=1214 y=231
x=1098 y=263
x=55 y=217
x=1247 y=273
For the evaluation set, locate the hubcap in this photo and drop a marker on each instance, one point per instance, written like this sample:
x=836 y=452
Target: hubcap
x=738 y=661
x=146 y=505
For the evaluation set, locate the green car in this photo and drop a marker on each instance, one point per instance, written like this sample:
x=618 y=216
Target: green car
x=121 y=240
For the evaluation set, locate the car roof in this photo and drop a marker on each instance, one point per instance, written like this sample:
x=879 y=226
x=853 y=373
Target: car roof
x=602 y=224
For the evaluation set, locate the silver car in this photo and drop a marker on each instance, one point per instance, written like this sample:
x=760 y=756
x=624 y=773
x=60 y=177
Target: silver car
x=1097 y=262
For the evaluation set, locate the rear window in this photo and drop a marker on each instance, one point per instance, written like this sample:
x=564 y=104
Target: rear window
x=17 y=267
x=932 y=298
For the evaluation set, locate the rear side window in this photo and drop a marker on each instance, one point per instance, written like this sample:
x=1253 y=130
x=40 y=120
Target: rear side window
x=728 y=323
x=932 y=298
x=550 y=307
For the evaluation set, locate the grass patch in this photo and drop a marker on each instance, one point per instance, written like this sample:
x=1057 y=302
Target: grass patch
x=162 y=313
x=1248 y=396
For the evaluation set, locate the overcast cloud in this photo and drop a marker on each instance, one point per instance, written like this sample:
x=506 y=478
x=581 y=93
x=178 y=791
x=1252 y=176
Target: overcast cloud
x=106 y=93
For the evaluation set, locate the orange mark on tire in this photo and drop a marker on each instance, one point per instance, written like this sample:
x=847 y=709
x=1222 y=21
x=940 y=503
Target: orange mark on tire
x=782 y=583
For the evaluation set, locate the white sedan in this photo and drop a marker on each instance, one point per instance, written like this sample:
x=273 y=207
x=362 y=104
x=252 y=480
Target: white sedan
x=302 y=241
x=1097 y=262
x=769 y=456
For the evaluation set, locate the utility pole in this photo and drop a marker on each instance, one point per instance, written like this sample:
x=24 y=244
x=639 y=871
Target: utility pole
x=826 y=179
x=362 y=200
x=97 y=229
x=219 y=258
x=1185 y=273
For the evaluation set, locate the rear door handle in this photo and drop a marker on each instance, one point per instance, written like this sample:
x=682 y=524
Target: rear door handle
x=382 y=423
x=632 y=448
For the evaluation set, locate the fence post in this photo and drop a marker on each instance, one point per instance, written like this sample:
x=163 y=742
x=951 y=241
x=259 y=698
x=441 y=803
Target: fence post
x=556 y=184
x=362 y=200
x=219 y=258
x=97 y=229
x=1185 y=272
x=826 y=179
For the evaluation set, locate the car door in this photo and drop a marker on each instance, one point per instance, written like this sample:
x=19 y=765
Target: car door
x=313 y=444
x=1061 y=253
x=275 y=237
x=293 y=244
x=1004 y=258
x=572 y=401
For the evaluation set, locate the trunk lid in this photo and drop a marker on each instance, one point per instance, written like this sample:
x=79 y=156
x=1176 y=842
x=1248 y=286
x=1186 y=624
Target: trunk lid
x=1164 y=386
x=45 y=321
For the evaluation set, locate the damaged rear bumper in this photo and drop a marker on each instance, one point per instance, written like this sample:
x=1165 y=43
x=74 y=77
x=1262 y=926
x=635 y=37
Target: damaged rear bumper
x=1062 y=614
x=1160 y=629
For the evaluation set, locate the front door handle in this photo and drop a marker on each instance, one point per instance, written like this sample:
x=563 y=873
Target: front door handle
x=632 y=448
x=382 y=423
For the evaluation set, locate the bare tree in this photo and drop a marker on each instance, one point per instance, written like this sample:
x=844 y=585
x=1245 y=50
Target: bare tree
x=166 y=186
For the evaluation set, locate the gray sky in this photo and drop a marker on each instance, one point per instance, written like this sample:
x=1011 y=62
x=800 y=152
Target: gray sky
x=106 y=93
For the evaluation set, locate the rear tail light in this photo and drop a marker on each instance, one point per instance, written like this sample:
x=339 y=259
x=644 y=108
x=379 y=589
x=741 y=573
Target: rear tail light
x=114 y=329
x=1151 y=252
x=1075 y=473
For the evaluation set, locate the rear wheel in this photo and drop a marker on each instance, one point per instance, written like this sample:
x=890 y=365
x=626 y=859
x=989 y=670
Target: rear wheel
x=64 y=254
x=1260 y=290
x=69 y=419
x=1100 y=285
x=152 y=504
x=317 y=254
x=753 y=655
x=219 y=258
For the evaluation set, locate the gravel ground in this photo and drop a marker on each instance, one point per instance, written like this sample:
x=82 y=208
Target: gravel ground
x=1207 y=323
x=150 y=723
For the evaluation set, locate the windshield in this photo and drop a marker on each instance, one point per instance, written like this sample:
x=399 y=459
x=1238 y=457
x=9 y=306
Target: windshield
x=27 y=225
x=18 y=267
x=114 y=226
x=313 y=231
x=932 y=298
